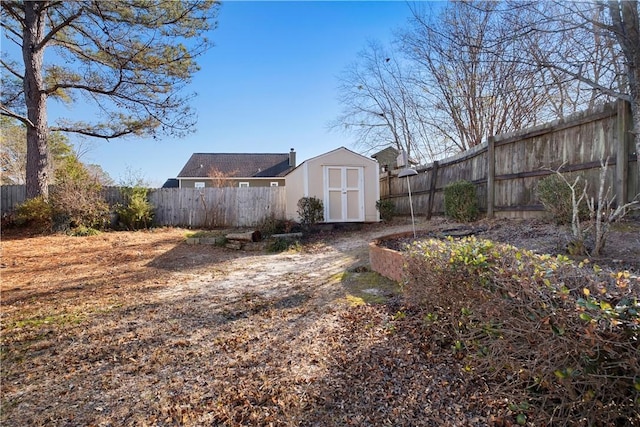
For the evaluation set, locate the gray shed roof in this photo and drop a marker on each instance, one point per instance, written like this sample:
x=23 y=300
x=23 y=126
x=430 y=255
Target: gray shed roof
x=237 y=165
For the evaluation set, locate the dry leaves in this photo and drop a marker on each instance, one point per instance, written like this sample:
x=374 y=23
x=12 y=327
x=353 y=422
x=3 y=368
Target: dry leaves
x=141 y=329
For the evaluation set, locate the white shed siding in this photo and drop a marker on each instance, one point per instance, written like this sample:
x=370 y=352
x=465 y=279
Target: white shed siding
x=309 y=180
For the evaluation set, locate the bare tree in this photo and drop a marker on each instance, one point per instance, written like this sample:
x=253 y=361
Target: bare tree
x=625 y=27
x=221 y=179
x=131 y=60
x=594 y=45
x=471 y=91
x=381 y=105
x=475 y=68
x=96 y=172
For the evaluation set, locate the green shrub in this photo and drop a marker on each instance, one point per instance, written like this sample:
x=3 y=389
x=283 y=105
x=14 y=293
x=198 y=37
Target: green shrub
x=83 y=231
x=36 y=213
x=137 y=213
x=555 y=196
x=534 y=328
x=461 y=201
x=278 y=245
x=310 y=210
x=386 y=208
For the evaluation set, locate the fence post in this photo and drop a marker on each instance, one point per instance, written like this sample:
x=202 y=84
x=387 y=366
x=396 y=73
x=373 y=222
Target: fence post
x=623 y=135
x=491 y=174
x=432 y=188
x=388 y=183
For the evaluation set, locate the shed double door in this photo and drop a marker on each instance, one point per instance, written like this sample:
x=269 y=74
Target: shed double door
x=344 y=195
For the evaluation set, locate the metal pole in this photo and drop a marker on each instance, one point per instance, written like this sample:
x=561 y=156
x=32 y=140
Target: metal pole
x=413 y=222
x=408 y=172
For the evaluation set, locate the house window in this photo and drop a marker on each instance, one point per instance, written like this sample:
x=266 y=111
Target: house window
x=243 y=184
x=274 y=184
x=198 y=185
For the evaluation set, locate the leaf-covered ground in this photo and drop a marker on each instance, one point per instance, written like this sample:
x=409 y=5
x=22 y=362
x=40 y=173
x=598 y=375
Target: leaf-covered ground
x=142 y=329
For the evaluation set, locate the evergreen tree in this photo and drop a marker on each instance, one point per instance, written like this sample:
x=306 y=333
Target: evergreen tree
x=132 y=59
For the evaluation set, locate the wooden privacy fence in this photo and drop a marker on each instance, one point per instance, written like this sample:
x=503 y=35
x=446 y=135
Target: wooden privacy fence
x=192 y=207
x=11 y=196
x=506 y=168
x=217 y=207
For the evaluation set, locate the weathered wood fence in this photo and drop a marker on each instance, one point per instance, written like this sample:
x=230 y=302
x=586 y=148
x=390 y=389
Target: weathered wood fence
x=191 y=207
x=217 y=207
x=506 y=168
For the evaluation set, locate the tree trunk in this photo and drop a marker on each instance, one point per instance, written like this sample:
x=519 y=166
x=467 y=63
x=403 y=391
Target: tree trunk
x=635 y=114
x=626 y=26
x=633 y=76
x=36 y=100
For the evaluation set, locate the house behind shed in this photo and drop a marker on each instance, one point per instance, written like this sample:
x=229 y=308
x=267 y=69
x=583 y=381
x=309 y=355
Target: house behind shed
x=345 y=181
x=236 y=169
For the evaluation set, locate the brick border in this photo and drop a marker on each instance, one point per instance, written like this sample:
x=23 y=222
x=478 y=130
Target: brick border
x=385 y=261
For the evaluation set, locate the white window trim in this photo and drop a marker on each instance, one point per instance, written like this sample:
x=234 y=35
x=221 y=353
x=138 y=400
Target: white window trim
x=243 y=184
x=198 y=185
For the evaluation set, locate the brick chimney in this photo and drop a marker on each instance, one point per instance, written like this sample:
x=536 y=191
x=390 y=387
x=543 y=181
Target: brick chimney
x=292 y=158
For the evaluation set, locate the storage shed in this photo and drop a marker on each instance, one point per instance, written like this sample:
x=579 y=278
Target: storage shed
x=345 y=181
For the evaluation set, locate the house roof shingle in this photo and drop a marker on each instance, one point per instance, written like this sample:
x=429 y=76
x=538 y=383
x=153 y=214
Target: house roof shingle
x=387 y=152
x=171 y=183
x=237 y=165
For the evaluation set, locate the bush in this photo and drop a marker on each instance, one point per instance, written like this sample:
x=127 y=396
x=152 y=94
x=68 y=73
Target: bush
x=460 y=201
x=271 y=225
x=555 y=196
x=78 y=203
x=310 y=210
x=138 y=211
x=83 y=231
x=35 y=213
x=386 y=208
x=282 y=245
x=279 y=245
x=557 y=341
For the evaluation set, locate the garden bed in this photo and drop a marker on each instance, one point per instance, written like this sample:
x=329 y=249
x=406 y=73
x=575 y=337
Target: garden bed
x=622 y=251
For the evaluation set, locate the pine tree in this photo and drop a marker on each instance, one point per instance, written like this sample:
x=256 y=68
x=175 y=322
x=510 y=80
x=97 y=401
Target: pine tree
x=132 y=59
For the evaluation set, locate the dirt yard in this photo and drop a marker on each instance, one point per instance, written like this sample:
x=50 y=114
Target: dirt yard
x=142 y=329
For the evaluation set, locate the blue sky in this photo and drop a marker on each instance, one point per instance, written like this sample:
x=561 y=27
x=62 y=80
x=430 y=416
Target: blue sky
x=268 y=85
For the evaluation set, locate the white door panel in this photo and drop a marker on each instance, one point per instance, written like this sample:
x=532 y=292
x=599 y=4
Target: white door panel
x=344 y=197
